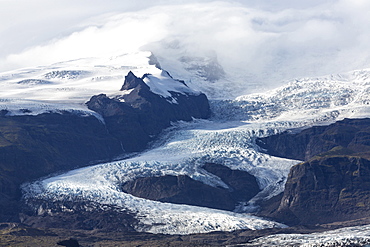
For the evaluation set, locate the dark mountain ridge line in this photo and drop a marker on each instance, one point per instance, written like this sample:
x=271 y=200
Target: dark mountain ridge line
x=349 y=134
x=144 y=113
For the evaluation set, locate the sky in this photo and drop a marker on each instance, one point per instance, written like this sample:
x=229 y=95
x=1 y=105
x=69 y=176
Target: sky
x=265 y=41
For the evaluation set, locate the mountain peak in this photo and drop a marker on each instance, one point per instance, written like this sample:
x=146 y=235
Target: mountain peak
x=131 y=81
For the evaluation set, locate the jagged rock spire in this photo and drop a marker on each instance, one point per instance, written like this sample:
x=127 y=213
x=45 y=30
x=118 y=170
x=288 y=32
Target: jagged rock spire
x=131 y=81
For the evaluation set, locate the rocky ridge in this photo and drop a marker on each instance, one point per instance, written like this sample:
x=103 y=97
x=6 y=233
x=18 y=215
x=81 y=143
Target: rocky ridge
x=138 y=115
x=348 y=136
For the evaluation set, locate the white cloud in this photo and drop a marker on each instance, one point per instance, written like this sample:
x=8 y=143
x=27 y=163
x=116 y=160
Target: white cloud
x=265 y=41
x=119 y=35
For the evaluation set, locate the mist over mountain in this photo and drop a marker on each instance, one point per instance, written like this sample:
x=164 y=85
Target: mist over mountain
x=258 y=44
x=185 y=122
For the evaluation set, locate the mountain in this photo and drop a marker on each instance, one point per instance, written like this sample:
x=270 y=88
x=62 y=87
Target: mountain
x=332 y=184
x=36 y=142
x=228 y=139
x=37 y=146
x=170 y=161
x=138 y=115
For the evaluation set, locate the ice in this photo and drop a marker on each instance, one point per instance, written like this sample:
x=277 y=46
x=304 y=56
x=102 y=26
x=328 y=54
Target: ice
x=228 y=138
x=101 y=184
x=348 y=236
x=182 y=150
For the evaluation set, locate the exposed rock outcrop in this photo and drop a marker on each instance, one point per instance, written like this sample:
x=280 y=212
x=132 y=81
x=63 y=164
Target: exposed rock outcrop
x=334 y=182
x=138 y=115
x=326 y=189
x=36 y=146
x=243 y=186
x=181 y=190
x=352 y=135
x=184 y=190
x=78 y=215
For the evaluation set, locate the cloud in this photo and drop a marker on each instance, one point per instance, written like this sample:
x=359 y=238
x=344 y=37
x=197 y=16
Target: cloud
x=264 y=42
x=271 y=45
x=121 y=34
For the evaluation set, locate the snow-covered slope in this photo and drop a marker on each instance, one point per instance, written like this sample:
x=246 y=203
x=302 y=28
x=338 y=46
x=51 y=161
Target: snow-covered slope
x=228 y=139
x=68 y=85
x=341 y=95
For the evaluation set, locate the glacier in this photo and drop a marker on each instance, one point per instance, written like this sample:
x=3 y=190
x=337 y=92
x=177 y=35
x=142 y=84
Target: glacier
x=181 y=151
x=228 y=138
x=347 y=236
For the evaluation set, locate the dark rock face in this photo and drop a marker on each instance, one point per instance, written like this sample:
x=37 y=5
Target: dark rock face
x=180 y=190
x=131 y=82
x=334 y=182
x=352 y=135
x=243 y=186
x=78 y=215
x=35 y=146
x=69 y=243
x=136 y=118
x=326 y=189
x=184 y=190
x=122 y=121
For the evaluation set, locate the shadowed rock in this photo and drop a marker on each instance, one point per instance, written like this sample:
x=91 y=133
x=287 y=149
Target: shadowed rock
x=334 y=183
x=351 y=134
x=138 y=117
x=326 y=189
x=69 y=243
x=180 y=190
x=243 y=186
x=184 y=190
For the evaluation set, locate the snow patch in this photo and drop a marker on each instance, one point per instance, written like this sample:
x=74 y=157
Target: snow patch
x=163 y=84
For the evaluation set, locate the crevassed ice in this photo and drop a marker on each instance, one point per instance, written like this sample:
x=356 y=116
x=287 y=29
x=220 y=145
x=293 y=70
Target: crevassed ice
x=228 y=139
x=348 y=236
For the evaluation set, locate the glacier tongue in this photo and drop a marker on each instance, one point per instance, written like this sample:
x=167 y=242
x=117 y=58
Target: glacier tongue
x=183 y=150
x=227 y=139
